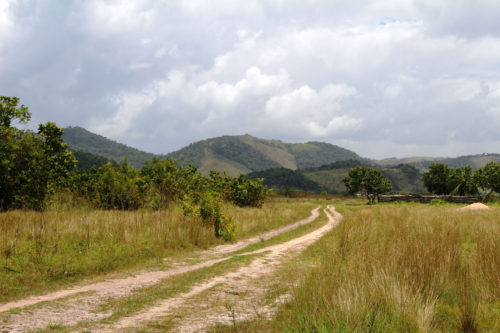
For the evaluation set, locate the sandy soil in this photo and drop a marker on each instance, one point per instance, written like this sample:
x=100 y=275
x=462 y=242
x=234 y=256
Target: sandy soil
x=70 y=306
x=475 y=206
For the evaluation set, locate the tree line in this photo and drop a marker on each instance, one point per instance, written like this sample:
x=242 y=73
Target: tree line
x=440 y=179
x=443 y=180
x=36 y=165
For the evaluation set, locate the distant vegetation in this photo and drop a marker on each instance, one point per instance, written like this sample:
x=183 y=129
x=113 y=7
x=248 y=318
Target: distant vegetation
x=423 y=163
x=80 y=140
x=244 y=154
x=404 y=178
x=367 y=181
x=441 y=179
x=87 y=160
x=282 y=179
x=35 y=166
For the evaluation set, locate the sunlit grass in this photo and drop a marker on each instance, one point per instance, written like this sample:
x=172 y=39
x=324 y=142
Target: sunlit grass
x=394 y=268
x=403 y=268
x=40 y=249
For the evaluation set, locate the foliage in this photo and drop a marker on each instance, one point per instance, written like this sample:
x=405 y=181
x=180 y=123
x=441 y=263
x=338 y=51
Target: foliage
x=87 y=160
x=247 y=153
x=367 y=181
x=282 y=178
x=248 y=192
x=163 y=182
x=315 y=154
x=436 y=179
x=79 y=139
x=488 y=178
x=31 y=165
x=441 y=179
x=462 y=181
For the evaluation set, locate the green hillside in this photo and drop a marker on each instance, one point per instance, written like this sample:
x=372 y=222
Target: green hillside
x=404 y=177
x=87 y=160
x=244 y=154
x=81 y=140
x=422 y=163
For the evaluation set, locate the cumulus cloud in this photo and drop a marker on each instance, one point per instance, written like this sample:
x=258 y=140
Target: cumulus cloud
x=381 y=77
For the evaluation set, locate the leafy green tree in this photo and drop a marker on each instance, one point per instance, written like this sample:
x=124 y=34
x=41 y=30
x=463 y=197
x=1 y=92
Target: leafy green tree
x=164 y=181
x=443 y=180
x=462 y=182
x=118 y=187
x=10 y=147
x=31 y=165
x=367 y=181
x=248 y=192
x=436 y=179
x=488 y=178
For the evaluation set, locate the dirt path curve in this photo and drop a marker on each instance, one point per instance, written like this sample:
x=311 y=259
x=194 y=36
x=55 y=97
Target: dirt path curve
x=120 y=287
x=115 y=288
x=199 y=315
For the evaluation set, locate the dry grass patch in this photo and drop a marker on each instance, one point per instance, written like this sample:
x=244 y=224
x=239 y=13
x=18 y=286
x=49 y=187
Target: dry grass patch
x=403 y=268
x=40 y=250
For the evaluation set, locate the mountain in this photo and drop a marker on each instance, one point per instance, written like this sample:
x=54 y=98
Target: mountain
x=322 y=165
x=234 y=154
x=245 y=153
x=83 y=141
x=422 y=163
x=404 y=177
x=87 y=160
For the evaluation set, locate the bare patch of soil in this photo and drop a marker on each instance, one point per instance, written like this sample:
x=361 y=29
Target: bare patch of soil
x=475 y=206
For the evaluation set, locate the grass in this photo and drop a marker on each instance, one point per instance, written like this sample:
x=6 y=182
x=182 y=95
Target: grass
x=396 y=268
x=42 y=251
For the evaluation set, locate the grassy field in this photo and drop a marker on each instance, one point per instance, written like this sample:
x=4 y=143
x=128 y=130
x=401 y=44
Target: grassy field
x=40 y=251
x=395 y=268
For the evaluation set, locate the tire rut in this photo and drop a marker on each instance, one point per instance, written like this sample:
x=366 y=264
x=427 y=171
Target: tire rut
x=69 y=312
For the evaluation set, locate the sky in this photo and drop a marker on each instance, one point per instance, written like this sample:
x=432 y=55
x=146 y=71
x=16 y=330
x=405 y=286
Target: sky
x=388 y=78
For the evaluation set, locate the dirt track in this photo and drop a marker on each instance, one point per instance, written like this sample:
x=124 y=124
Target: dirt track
x=77 y=307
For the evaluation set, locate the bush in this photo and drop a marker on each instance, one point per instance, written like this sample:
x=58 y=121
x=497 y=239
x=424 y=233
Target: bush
x=209 y=209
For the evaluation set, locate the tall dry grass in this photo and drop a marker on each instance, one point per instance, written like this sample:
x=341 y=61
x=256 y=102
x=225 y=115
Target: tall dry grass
x=38 y=249
x=402 y=268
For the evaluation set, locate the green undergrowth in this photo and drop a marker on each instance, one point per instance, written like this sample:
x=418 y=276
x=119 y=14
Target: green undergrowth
x=40 y=252
x=395 y=268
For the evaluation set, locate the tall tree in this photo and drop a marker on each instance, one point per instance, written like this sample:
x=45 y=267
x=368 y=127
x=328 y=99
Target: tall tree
x=31 y=165
x=367 y=181
x=488 y=178
x=436 y=179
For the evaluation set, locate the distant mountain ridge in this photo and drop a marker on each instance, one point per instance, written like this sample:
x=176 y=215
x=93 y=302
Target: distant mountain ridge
x=81 y=140
x=422 y=163
x=246 y=153
x=404 y=177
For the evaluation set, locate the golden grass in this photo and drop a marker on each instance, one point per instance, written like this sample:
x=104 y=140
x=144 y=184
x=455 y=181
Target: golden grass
x=39 y=249
x=402 y=268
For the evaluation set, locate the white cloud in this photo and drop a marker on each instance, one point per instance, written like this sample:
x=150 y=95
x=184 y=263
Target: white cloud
x=161 y=74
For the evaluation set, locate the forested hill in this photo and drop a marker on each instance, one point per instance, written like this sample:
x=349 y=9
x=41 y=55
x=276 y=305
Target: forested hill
x=81 y=140
x=245 y=153
x=404 y=177
x=422 y=163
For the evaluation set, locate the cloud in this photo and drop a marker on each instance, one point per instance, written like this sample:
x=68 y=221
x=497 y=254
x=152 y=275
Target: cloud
x=405 y=76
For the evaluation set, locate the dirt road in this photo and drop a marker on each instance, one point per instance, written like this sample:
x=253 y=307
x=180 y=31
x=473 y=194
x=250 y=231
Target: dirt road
x=238 y=289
